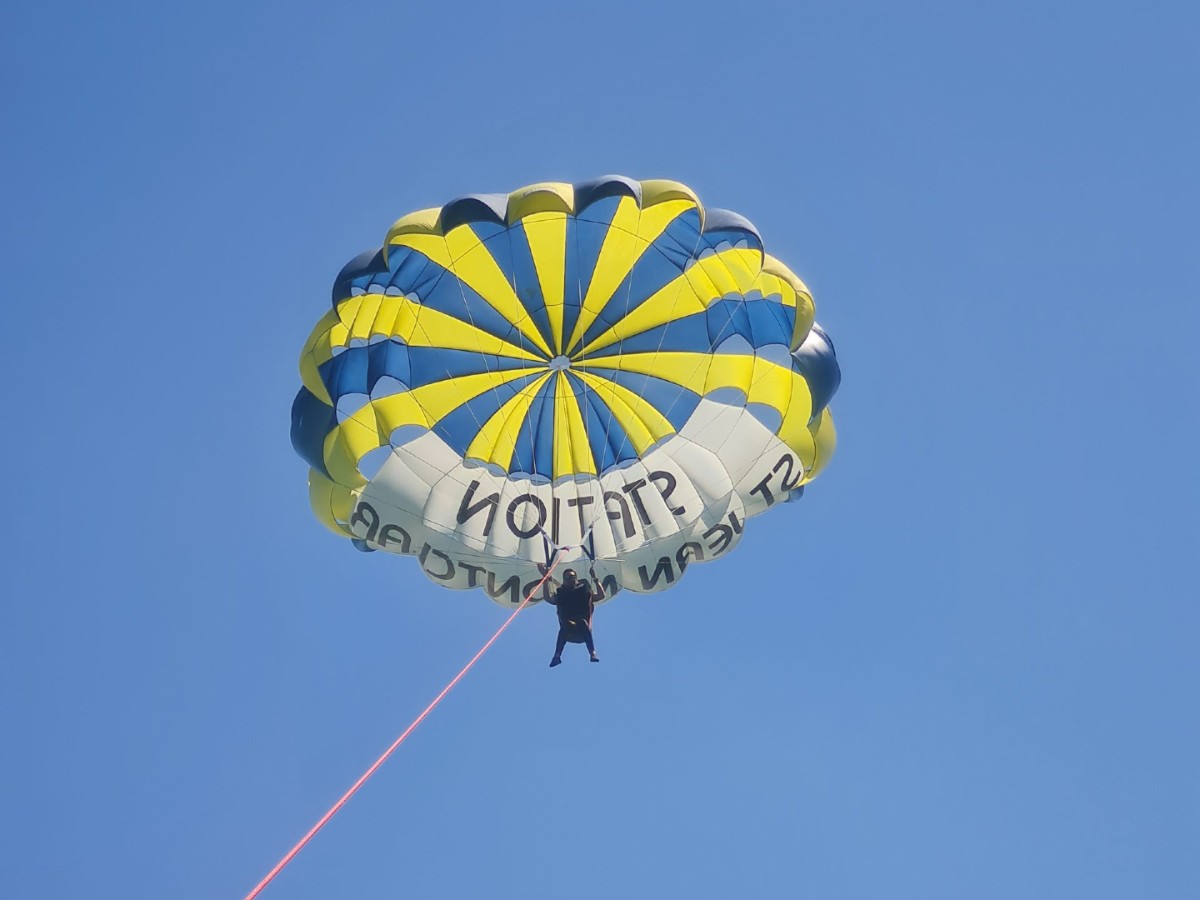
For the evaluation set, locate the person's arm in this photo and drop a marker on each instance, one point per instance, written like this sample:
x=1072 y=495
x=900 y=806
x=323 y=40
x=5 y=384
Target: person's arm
x=598 y=593
x=553 y=598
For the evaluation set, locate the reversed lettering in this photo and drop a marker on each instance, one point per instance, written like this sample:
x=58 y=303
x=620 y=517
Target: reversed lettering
x=467 y=509
x=511 y=516
x=664 y=569
x=666 y=488
x=427 y=551
x=621 y=515
x=364 y=514
x=389 y=533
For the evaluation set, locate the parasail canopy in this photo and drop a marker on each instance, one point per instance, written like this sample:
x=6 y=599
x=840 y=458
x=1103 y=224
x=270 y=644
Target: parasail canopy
x=608 y=367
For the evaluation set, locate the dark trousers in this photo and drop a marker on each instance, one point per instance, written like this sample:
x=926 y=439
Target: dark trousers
x=575 y=632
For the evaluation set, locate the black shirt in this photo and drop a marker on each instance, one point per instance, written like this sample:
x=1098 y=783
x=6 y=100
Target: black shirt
x=574 y=602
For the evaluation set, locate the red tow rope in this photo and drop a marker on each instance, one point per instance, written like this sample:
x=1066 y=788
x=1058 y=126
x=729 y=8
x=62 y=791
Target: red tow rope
x=400 y=740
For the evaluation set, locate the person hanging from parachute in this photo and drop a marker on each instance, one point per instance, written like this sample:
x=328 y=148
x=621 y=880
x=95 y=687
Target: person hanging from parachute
x=609 y=366
x=609 y=369
x=575 y=601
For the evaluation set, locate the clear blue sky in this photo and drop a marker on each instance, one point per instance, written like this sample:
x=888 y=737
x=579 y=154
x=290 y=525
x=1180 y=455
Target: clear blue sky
x=964 y=666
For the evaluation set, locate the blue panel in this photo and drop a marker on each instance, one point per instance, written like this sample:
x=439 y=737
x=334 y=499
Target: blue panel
x=687 y=335
x=759 y=321
x=784 y=315
x=817 y=361
x=682 y=240
x=358 y=271
x=589 y=194
x=432 y=364
x=501 y=249
x=499 y=246
x=389 y=358
x=766 y=325
x=732 y=237
x=726 y=318
x=431 y=278
x=651 y=272
x=673 y=402
x=662 y=262
x=525 y=281
x=312 y=420
x=485 y=231
x=527 y=452
x=410 y=273
x=460 y=426
x=724 y=225
x=543 y=432
x=610 y=445
x=472 y=208
x=584 y=240
x=410 y=270
x=356 y=369
x=601 y=212
x=347 y=372
x=454 y=298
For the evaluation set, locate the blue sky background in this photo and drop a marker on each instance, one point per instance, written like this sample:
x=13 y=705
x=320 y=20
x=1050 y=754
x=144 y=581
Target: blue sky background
x=964 y=666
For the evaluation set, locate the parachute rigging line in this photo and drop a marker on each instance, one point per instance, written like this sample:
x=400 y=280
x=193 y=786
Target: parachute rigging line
x=400 y=740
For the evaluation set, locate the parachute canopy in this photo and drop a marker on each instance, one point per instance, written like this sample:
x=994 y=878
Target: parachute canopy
x=607 y=366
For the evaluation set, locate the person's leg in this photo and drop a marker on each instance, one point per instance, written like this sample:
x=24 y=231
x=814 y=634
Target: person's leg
x=558 y=647
x=587 y=639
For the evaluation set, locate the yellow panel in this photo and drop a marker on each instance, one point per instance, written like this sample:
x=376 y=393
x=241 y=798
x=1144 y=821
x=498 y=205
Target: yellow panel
x=825 y=440
x=459 y=242
x=363 y=323
x=330 y=502
x=636 y=430
x=572 y=454
x=585 y=463
x=763 y=380
x=779 y=269
x=805 y=317
x=729 y=272
x=462 y=254
x=643 y=423
x=317 y=350
x=427 y=327
x=630 y=234
x=773 y=286
x=371 y=426
x=805 y=311
x=549 y=196
x=497 y=439
x=421 y=326
x=547 y=237
x=341 y=503
x=423 y=221
x=657 y=216
x=311 y=378
x=338 y=335
x=563 y=460
x=346 y=444
x=427 y=404
x=660 y=190
x=396 y=410
x=620 y=250
x=385 y=320
x=684 y=295
x=794 y=429
x=318 y=338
